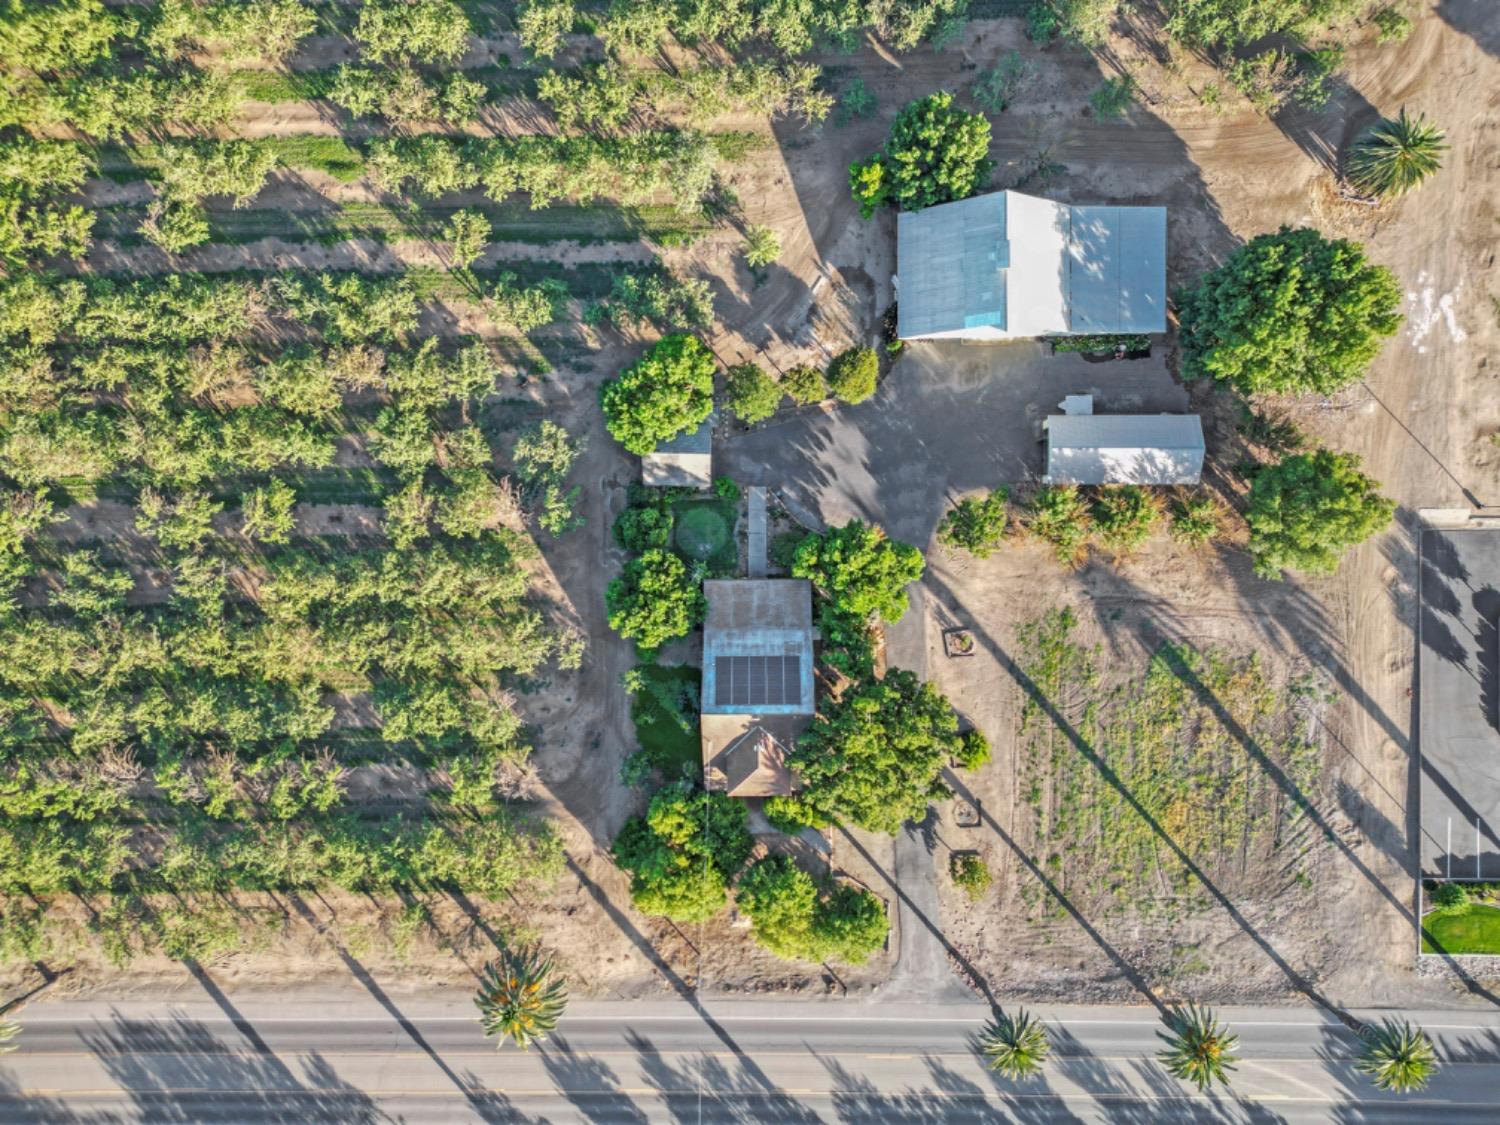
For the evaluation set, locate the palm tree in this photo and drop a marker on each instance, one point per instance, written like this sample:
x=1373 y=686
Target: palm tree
x=1199 y=1048
x=1396 y=155
x=1016 y=1045
x=1397 y=1056
x=9 y=1031
x=520 y=996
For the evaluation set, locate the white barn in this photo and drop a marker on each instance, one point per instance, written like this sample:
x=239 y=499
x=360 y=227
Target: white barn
x=1010 y=266
x=1124 y=449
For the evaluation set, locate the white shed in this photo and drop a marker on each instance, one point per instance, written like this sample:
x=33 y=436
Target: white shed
x=1124 y=449
x=1008 y=266
x=684 y=462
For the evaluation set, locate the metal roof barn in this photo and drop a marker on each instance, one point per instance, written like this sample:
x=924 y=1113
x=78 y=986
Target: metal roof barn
x=1009 y=266
x=1124 y=449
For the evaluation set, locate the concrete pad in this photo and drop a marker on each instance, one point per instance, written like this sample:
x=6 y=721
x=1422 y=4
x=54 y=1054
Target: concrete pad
x=757 y=562
x=1459 y=744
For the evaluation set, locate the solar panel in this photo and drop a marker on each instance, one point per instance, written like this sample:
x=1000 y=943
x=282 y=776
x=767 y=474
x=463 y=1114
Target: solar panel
x=757 y=681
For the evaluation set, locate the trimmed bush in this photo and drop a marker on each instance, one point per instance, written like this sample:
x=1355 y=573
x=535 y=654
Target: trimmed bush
x=751 y=393
x=805 y=384
x=852 y=374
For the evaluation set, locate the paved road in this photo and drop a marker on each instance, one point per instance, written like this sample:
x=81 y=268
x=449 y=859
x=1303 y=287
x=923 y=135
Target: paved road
x=308 y=1063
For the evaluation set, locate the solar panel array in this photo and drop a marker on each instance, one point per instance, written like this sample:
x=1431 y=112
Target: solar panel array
x=757 y=681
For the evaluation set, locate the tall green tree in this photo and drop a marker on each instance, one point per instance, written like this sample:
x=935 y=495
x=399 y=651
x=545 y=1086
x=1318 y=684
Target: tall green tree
x=874 y=757
x=1309 y=508
x=1289 y=312
x=798 y=920
x=521 y=997
x=654 y=600
x=1396 y=155
x=668 y=390
x=682 y=854
x=860 y=569
x=936 y=153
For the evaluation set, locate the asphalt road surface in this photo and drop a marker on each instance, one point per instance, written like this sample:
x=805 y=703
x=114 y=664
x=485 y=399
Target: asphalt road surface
x=301 y=1062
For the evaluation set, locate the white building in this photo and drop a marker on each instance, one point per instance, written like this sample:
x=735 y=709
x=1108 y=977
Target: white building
x=1089 y=448
x=1008 y=266
x=684 y=462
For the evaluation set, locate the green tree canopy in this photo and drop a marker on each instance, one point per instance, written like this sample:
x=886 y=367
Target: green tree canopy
x=936 y=153
x=1225 y=23
x=683 y=852
x=853 y=373
x=862 y=572
x=1289 y=312
x=751 y=393
x=976 y=523
x=1305 y=511
x=875 y=757
x=668 y=390
x=797 y=920
x=654 y=600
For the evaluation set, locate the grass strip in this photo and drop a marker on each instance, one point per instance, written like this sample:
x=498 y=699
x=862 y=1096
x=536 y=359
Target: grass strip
x=511 y=221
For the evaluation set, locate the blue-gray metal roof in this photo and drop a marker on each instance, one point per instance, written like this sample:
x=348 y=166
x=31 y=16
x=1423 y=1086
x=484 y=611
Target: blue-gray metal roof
x=1117 y=270
x=952 y=260
x=758 y=628
x=956 y=273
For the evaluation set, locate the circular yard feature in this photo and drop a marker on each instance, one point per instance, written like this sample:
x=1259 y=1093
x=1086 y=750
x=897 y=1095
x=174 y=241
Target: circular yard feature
x=700 y=531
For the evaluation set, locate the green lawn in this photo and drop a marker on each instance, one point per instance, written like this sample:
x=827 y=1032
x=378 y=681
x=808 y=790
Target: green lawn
x=668 y=744
x=1474 y=929
x=703 y=531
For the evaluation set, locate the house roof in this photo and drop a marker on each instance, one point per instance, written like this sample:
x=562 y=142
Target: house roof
x=685 y=461
x=1013 y=265
x=757 y=647
x=1124 y=449
x=745 y=755
x=757 y=682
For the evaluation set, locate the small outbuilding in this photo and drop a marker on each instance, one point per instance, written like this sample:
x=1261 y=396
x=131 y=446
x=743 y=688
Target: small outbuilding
x=684 y=462
x=1124 y=449
x=757 y=683
x=1008 y=266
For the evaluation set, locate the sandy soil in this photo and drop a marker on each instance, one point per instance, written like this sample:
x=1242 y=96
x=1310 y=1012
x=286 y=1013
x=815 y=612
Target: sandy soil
x=1423 y=424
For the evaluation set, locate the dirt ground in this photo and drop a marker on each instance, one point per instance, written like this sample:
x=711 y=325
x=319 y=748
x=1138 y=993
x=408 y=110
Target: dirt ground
x=1424 y=424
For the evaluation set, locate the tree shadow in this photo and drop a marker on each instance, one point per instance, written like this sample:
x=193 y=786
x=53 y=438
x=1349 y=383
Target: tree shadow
x=1322 y=134
x=1476 y=19
x=970 y=974
x=178 y=1070
x=704 y=1088
x=589 y=1083
x=1107 y=774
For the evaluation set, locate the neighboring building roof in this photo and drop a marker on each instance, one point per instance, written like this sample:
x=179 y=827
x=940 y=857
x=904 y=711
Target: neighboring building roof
x=684 y=462
x=1124 y=449
x=757 y=683
x=1008 y=265
x=745 y=755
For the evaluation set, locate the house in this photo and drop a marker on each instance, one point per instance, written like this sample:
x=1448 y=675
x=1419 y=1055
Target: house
x=1088 y=448
x=757 y=683
x=1007 y=266
x=684 y=462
